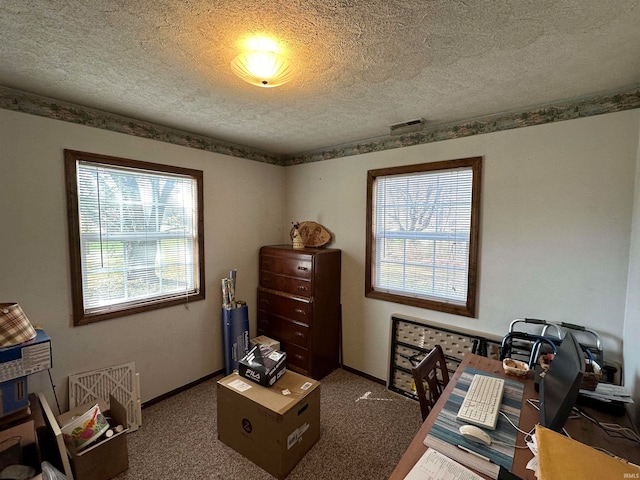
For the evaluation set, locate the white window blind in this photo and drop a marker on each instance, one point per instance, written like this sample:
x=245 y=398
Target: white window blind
x=422 y=224
x=138 y=236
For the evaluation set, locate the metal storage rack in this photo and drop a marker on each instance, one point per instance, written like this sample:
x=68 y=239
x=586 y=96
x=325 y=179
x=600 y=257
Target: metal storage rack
x=412 y=340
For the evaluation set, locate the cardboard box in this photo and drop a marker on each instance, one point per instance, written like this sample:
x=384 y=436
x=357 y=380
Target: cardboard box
x=14 y=397
x=25 y=451
x=263 y=365
x=264 y=340
x=273 y=427
x=26 y=358
x=102 y=460
x=17 y=362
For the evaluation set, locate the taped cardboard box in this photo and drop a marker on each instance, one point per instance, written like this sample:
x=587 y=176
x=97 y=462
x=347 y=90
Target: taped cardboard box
x=264 y=340
x=273 y=427
x=102 y=460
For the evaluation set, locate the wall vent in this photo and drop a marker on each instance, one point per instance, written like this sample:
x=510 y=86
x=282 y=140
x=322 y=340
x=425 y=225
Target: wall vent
x=407 y=127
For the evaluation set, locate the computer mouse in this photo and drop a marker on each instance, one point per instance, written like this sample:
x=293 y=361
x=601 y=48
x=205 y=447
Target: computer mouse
x=475 y=434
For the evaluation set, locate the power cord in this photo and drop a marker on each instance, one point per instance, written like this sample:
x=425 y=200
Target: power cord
x=527 y=435
x=612 y=429
x=535 y=403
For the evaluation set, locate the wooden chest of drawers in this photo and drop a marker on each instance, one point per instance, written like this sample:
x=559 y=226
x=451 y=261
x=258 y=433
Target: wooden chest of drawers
x=299 y=305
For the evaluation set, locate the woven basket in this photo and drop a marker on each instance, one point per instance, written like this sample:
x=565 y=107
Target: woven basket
x=515 y=367
x=590 y=378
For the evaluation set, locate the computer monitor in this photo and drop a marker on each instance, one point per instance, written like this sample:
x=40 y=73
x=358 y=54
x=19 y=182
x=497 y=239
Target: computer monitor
x=560 y=385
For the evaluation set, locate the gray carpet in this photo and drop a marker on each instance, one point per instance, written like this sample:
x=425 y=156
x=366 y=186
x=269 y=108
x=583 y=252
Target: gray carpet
x=362 y=436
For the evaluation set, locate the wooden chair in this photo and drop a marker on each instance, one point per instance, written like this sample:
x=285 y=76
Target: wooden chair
x=432 y=370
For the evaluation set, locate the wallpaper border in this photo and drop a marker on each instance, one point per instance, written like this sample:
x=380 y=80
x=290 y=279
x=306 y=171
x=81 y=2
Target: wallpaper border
x=625 y=99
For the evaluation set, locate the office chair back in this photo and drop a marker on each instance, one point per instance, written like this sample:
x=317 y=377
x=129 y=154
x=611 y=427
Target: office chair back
x=431 y=377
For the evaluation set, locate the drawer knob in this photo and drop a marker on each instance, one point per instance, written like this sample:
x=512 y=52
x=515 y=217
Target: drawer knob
x=300 y=267
x=302 y=288
x=299 y=311
x=298 y=356
x=264 y=302
x=299 y=334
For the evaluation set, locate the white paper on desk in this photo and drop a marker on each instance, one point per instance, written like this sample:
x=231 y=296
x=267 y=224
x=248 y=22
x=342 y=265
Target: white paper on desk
x=435 y=466
x=471 y=461
x=604 y=395
x=533 y=463
x=615 y=390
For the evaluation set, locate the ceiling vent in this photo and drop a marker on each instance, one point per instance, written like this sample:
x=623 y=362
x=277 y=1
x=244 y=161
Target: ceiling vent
x=407 y=127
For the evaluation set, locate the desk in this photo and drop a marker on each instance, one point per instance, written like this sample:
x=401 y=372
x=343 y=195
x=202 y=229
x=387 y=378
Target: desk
x=579 y=429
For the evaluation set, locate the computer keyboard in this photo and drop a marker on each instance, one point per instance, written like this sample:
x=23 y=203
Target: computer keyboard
x=482 y=403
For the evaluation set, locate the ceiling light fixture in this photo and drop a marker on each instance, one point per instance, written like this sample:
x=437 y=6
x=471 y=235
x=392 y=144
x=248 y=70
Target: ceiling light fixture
x=263 y=68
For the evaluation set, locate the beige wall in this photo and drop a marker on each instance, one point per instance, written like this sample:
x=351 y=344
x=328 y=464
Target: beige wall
x=632 y=319
x=243 y=205
x=555 y=235
x=557 y=213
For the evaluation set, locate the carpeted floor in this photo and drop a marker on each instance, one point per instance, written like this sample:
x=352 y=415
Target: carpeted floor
x=364 y=431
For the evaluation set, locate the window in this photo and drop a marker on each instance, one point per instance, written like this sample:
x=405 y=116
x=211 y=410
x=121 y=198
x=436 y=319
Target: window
x=136 y=235
x=422 y=235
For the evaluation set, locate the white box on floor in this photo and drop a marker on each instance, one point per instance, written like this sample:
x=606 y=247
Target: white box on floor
x=273 y=427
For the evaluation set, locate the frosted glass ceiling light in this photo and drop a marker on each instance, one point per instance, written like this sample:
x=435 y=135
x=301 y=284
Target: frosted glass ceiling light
x=263 y=68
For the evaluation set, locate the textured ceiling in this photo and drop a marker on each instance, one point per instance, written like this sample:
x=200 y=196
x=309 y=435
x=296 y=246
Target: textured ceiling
x=360 y=66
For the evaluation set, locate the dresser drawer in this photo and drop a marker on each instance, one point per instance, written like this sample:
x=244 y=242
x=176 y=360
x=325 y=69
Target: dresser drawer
x=293 y=266
x=295 y=286
x=297 y=358
x=283 y=330
x=298 y=310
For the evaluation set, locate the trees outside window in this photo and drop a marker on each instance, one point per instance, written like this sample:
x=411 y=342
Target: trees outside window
x=136 y=235
x=422 y=235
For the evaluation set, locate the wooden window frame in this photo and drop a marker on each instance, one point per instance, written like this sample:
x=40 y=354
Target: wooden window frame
x=80 y=316
x=470 y=306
